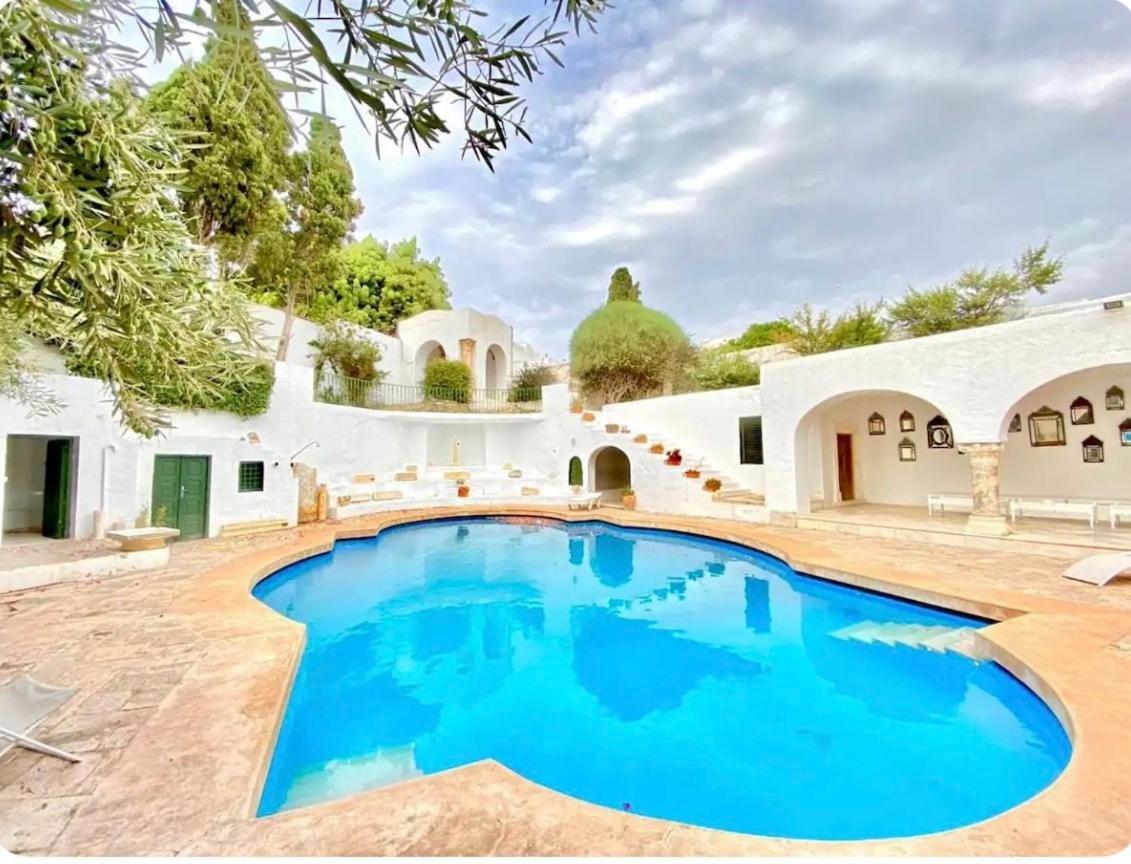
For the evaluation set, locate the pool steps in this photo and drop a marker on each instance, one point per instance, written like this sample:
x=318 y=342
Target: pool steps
x=933 y=637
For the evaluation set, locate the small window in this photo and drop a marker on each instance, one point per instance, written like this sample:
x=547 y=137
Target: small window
x=750 y=440
x=251 y=476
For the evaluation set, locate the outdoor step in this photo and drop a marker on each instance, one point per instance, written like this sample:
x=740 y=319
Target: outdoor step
x=960 y=640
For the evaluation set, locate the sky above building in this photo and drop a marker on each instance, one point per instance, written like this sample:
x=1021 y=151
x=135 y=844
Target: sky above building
x=745 y=157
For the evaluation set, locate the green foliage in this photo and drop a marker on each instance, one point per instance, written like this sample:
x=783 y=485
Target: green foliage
x=761 y=334
x=977 y=297
x=621 y=286
x=239 y=133
x=815 y=331
x=626 y=350
x=296 y=250
x=718 y=369
x=380 y=284
x=448 y=381
x=94 y=252
x=347 y=353
x=528 y=383
x=575 y=473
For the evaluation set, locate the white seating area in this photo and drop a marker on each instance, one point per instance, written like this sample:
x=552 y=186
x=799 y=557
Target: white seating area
x=949 y=502
x=1054 y=509
x=1050 y=508
x=439 y=487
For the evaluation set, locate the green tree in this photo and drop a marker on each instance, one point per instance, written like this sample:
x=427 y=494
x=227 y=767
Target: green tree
x=761 y=334
x=621 y=286
x=719 y=369
x=296 y=250
x=347 y=353
x=94 y=254
x=815 y=331
x=230 y=111
x=625 y=350
x=380 y=284
x=977 y=297
x=447 y=381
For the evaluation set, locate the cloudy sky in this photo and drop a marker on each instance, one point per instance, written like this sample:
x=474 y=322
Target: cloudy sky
x=745 y=156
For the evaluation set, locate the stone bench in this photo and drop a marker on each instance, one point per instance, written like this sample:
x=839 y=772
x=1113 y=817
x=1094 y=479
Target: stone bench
x=256 y=526
x=141 y=539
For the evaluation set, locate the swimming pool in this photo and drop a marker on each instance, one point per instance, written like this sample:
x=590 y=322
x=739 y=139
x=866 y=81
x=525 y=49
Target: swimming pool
x=664 y=674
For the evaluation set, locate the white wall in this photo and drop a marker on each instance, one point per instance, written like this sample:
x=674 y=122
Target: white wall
x=448 y=327
x=24 y=482
x=705 y=424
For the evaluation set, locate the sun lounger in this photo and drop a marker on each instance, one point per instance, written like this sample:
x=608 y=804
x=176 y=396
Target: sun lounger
x=1099 y=569
x=24 y=704
x=585 y=501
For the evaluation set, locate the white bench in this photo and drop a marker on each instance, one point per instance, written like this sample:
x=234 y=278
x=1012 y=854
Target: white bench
x=1117 y=510
x=944 y=501
x=1053 y=508
x=584 y=501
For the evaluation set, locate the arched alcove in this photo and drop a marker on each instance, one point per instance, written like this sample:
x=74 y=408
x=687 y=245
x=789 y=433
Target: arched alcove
x=609 y=471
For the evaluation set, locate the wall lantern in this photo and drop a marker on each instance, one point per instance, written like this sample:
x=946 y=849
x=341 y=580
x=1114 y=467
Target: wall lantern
x=1015 y=423
x=1046 y=428
x=1125 y=432
x=939 y=436
x=1093 y=449
x=906 y=450
x=1081 y=412
x=1113 y=399
x=906 y=422
x=876 y=424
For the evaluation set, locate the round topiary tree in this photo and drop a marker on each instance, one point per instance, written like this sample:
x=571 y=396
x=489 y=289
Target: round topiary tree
x=625 y=350
x=448 y=381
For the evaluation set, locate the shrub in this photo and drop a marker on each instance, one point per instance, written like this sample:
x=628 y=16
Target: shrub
x=251 y=396
x=712 y=484
x=347 y=353
x=761 y=334
x=717 y=369
x=575 y=474
x=625 y=350
x=447 y=380
x=528 y=383
x=815 y=331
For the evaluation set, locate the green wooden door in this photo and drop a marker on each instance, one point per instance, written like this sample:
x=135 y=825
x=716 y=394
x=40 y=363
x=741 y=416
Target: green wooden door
x=180 y=494
x=57 y=488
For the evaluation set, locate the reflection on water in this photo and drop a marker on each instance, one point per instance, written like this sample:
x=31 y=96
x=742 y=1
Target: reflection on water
x=686 y=679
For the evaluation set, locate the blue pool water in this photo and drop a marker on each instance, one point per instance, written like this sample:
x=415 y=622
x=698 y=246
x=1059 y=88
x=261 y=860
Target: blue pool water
x=664 y=674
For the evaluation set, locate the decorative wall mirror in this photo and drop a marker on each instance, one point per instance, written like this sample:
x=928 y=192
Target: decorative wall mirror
x=906 y=422
x=1015 y=423
x=1093 y=449
x=1046 y=428
x=1125 y=432
x=939 y=436
x=876 y=424
x=1113 y=399
x=1081 y=412
x=906 y=450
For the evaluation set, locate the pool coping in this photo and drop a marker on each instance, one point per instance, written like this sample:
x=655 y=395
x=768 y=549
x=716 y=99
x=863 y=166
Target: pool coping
x=1060 y=649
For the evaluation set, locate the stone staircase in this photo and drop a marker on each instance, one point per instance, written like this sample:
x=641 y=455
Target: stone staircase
x=732 y=500
x=932 y=637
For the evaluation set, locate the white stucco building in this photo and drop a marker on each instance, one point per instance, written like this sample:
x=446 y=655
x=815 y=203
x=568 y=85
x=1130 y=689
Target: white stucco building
x=1031 y=409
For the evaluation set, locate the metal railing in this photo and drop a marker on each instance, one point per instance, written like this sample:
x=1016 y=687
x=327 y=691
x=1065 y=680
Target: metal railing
x=339 y=390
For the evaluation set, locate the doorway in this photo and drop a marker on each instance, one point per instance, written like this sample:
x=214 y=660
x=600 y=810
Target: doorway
x=180 y=494
x=845 y=477
x=39 y=472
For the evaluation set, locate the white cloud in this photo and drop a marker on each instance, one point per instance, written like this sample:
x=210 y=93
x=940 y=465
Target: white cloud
x=722 y=168
x=546 y=194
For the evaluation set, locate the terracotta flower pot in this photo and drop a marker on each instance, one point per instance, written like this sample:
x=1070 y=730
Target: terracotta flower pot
x=588 y=418
x=629 y=502
x=658 y=449
x=640 y=439
x=463 y=491
x=691 y=474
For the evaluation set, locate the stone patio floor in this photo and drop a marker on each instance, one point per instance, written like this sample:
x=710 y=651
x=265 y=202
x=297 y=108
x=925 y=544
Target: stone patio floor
x=181 y=677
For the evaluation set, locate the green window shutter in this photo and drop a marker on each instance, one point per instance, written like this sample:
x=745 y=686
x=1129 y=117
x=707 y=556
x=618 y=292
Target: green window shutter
x=251 y=476
x=750 y=440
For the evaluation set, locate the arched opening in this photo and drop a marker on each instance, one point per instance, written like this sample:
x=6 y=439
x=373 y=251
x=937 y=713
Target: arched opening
x=427 y=353
x=879 y=449
x=1063 y=441
x=495 y=368
x=609 y=472
x=575 y=473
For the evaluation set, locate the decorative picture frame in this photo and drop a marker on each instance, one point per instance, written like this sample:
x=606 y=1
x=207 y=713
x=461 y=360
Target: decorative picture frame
x=1125 y=433
x=907 y=450
x=1081 y=412
x=1015 y=423
x=906 y=422
x=877 y=424
x=1093 y=449
x=939 y=434
x=1113 y=398
x=1046 y=428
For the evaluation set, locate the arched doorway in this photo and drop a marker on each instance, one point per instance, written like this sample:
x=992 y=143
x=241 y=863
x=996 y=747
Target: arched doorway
x=609 y=472
x=495 y=368
x=427 y=353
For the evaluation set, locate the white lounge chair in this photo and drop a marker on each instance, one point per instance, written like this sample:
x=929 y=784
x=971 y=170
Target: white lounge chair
x=24 y=704
x=1099 y=569
x=584 y=501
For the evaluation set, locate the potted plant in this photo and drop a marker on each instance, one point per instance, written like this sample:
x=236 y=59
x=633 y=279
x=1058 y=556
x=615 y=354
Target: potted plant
x=462 y=489
x=674 y=457
x=588 y=417
x=712 y=484
x=575 y=406
x=612 y=428
x=628 y=499
x=640 y=439
x=691 y=473
x=656 y=448
x=624 y=430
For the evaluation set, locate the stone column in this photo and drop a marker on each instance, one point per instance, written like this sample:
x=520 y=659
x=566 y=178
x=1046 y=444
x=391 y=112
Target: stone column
x=307 y=492
x=467 y=356
x=987 y=516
